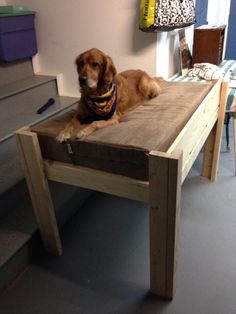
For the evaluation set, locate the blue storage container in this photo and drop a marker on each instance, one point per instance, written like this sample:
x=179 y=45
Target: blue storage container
x=17 y=34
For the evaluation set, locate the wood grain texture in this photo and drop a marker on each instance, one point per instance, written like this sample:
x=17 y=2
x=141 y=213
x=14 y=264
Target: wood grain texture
x=32 y=163
x=97 y=180
x=193 y=136
x=213 y=143
x=165 y=193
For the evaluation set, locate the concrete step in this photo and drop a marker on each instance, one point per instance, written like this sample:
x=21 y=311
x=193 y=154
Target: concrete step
x=25 y=84
x=23 y=114
x=20 y=109
x=19 y=101
x=21 y=94
x=14 y=71
x=19 y=237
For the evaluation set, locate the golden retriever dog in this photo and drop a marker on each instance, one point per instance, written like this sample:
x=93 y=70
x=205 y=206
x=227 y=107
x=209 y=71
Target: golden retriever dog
x=105 y=95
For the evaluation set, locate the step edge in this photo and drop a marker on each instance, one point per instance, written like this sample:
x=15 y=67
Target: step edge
x=43 y=118
x=21 y=258
x=47 y=79
x=19 y=247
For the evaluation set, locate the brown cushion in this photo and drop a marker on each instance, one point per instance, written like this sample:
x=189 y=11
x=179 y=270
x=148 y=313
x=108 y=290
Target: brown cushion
x=124 y=148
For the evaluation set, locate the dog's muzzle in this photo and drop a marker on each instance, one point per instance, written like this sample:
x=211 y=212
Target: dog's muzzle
x=87 y=82
x=82 y=81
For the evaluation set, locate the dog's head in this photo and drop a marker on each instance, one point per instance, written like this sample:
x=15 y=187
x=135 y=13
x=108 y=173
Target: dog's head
x=95 y=69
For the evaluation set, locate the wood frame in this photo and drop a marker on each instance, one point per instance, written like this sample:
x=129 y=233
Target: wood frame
x=234 y=130
x=162 y=192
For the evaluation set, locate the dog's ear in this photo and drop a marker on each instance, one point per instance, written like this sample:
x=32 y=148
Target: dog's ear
x=109 y=70
x=77 y=60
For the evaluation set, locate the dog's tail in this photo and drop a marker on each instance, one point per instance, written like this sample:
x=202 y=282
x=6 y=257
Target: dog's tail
x=159 y=79
x=150 y=87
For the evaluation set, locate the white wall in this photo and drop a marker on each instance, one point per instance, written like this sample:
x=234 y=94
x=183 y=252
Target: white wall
x=218 y=12
x=167 y=50
x=66 y=28
x=167 y=56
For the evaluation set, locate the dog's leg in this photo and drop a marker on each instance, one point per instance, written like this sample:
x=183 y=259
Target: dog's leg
x=68 y=131
x=96 y=125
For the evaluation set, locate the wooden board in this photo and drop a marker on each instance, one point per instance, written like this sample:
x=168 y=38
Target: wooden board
x=165 y=194
x=194 y=134
x=97 y=180
x=32 y=164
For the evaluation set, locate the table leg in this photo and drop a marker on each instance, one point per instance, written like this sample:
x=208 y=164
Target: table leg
x=234 y=135
x=37 y=182
x=165 y=191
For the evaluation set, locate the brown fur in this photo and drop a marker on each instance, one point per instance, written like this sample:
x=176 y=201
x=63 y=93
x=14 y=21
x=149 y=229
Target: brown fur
x=96 y=71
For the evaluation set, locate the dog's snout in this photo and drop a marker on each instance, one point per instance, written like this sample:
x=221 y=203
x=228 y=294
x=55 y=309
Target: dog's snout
x=82 y=80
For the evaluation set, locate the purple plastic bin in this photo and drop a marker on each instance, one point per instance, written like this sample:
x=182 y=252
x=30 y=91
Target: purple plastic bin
x=17 y=37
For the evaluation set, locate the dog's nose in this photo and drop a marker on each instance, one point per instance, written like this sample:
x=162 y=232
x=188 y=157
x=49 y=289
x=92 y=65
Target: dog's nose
x=82 y=80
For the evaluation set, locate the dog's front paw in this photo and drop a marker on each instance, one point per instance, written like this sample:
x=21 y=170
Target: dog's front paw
x=63 y=136
x=81 y=134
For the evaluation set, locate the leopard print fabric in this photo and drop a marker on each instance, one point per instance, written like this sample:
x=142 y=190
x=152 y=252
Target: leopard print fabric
x=172 y=14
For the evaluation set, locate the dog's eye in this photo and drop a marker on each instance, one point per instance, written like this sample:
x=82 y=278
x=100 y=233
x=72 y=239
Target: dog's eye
x=95 y=65
x=81 y=63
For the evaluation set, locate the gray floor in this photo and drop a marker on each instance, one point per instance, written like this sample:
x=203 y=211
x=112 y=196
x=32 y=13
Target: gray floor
x=104 y=268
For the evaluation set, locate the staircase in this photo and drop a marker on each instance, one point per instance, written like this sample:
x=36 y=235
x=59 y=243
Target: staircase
x=21 y=94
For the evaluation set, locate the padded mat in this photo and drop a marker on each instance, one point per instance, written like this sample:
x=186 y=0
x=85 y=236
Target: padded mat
x=123 y=148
